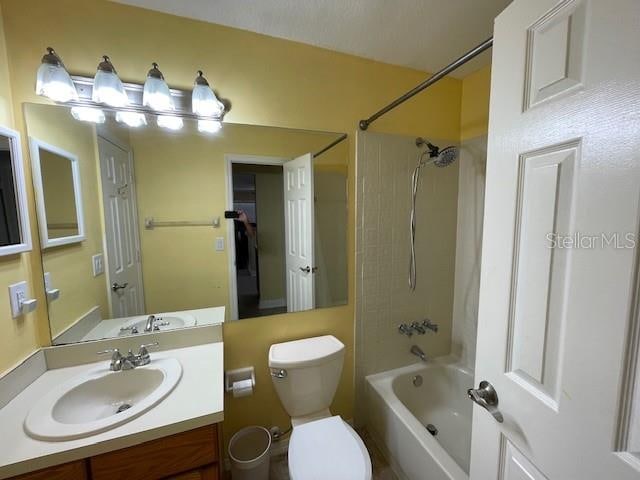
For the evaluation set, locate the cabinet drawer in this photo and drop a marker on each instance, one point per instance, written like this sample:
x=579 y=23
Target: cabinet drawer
x=160 y=458
x=68 y=471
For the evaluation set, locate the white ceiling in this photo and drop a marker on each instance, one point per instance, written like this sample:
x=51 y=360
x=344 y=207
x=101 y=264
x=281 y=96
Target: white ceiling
x=422 y=34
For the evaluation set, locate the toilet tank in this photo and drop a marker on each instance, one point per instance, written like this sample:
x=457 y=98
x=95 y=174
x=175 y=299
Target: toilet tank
x=306 y=373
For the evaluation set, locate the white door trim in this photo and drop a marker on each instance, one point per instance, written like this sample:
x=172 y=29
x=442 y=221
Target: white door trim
x=229 y=160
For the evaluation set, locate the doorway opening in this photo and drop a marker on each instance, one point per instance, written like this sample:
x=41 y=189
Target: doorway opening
x=258 y=238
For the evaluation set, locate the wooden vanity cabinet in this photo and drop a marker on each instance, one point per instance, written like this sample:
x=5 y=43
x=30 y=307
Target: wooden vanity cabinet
x=67 y=471
x=191 y=455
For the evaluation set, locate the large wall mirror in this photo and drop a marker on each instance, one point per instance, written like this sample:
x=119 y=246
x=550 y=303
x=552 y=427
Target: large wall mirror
x=15 y=236
x=182 y=227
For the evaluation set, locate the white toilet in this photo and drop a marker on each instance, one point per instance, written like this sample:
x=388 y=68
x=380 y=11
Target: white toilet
x=306 y=374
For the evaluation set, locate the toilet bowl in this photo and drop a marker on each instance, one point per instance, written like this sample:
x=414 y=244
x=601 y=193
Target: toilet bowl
x=305 y=374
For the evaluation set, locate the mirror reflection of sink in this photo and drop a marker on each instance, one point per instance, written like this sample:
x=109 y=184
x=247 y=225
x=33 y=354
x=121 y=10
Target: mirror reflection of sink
x=163 y=321
x=100 y=400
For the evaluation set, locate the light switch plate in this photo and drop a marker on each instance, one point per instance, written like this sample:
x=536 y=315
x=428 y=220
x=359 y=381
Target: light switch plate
x=219 y=244
x=17 y=294
x=98 y=264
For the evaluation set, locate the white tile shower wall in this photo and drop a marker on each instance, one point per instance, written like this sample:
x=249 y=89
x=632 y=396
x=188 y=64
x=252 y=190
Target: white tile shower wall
x=383 y=299
x=473 y=158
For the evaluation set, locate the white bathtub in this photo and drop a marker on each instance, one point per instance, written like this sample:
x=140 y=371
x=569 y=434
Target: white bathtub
x=398 y=413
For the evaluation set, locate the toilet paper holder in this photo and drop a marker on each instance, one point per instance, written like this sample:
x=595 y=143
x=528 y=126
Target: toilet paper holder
x=238 y=375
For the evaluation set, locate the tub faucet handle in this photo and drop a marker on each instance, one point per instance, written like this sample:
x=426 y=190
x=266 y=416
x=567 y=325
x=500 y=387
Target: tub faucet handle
x=429 y=325
x=418 y=328
x=405 y=329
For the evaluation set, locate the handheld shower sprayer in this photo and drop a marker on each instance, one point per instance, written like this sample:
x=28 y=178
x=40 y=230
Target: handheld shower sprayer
x=440 y=158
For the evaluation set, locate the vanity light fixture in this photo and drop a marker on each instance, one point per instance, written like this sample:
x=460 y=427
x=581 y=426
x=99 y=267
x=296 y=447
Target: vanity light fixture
x=209 y=126
x=88 y=114
x=53 y=80
x=204 y=102
x=156 y=94
x=170 y=122
x=131 y=119
x=107 y=86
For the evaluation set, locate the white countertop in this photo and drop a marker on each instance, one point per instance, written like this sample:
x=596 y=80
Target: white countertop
x=197 y=400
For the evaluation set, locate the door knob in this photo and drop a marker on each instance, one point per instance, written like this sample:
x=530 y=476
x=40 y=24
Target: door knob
x=115 y=287
x=306 y=269
x=487 y=397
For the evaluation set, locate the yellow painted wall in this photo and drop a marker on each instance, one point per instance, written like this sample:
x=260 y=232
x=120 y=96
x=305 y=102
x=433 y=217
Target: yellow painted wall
x=22 y=335
x=269 y=81
x=70 y=265
x=474 y=109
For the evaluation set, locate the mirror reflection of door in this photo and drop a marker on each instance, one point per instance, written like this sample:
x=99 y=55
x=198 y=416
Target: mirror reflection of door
x=9 y=221
x=259 y=239
x=124 y=269
x=299 y=233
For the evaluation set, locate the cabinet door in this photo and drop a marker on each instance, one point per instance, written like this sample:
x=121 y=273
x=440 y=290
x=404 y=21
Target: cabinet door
x=68 y=471
x=207 y=473
x=159 y=459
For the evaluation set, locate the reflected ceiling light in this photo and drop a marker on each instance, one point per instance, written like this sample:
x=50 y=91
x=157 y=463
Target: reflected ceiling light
x=170 y=122
x=131 y=119
x=107 y=87
x=88 y=114
x=156 y=94
x=53 y=80
x=209 y=126
x=203 y=101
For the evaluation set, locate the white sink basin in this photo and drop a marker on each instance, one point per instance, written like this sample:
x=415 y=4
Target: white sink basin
x=100 y=400
x=164 y=322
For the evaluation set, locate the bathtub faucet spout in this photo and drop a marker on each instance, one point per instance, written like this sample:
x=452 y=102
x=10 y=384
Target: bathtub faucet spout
x=417 y=351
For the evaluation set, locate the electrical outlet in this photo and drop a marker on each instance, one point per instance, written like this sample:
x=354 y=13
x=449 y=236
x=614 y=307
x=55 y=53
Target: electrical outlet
x=219 y=244
x=98 y=264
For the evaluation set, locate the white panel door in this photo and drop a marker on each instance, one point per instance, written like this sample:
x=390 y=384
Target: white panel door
x=299 y=233
x=124 y=267
x=558 y=317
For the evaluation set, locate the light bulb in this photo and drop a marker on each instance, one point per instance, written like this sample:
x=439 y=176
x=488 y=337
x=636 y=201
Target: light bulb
x=88 y=114
x=156 y=94
x=53 y=80
x=107 y=86
x=131 y=119
x=170 y=122
x=209 y=126
x=204 y=102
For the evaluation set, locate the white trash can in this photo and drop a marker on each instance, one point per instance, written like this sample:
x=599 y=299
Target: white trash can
x=249 y=451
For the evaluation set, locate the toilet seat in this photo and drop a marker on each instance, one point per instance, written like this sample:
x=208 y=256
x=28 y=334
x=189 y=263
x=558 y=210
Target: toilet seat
x=328 y=449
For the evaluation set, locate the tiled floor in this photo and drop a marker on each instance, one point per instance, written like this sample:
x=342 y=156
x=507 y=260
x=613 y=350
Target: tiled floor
x=381 y=468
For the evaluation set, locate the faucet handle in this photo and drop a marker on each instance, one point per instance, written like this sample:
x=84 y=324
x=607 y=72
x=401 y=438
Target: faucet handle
x=428 y=324
x=143 y=354
x=114 y=351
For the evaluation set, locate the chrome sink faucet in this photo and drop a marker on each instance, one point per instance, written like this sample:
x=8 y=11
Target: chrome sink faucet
x=121 y=362
x=151 y=320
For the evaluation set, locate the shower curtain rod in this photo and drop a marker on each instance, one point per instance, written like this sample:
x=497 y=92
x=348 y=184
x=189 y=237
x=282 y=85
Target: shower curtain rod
x=364 y=124
x=331 y=145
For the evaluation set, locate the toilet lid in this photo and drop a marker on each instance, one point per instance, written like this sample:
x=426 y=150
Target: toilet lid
x=327 y=449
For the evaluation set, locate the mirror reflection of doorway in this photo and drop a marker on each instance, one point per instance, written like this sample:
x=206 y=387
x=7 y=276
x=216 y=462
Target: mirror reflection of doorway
x=259 y=239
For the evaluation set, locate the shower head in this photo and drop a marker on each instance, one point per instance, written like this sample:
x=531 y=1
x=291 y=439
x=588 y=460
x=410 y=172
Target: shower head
x=446 y=157
x=440 y=158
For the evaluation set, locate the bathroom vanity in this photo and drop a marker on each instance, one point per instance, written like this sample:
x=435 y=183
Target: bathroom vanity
x=80 y=395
